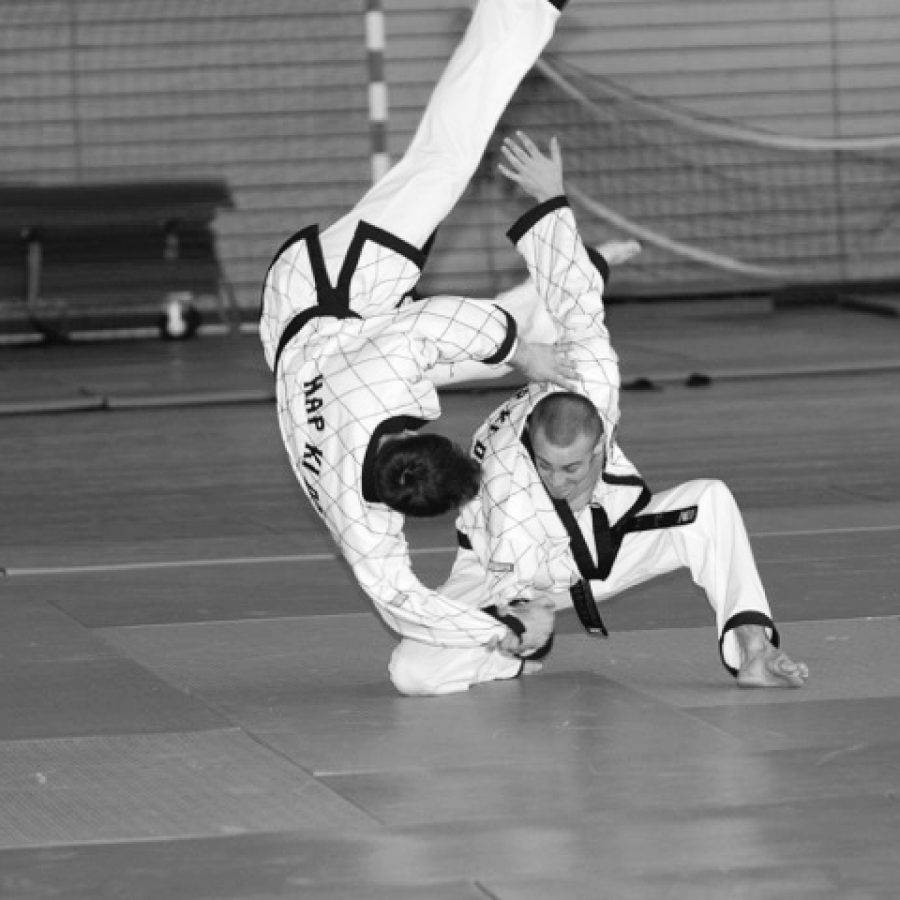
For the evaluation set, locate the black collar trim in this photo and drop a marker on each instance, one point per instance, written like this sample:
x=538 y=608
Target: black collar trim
x=508 y=341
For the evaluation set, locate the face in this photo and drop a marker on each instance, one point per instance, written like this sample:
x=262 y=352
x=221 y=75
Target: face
x=569 y=473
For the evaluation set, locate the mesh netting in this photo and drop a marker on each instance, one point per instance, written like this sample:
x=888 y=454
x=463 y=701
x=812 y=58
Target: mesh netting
x=716 y=206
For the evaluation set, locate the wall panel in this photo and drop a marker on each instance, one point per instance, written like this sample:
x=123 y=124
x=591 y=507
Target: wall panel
x=272 y=97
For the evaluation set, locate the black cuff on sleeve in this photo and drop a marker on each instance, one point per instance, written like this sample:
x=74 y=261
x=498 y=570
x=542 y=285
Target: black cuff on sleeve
x=599 y=261
x=511 y=622
x=534 y=215
x=748 y=617
x=508 y=342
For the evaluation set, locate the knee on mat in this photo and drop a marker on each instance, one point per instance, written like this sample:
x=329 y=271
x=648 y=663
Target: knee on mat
x=409 y=680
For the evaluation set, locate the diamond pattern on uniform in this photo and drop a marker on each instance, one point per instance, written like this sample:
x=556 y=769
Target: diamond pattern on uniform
x=512 y=524
x=338 y=378
x=337 y=382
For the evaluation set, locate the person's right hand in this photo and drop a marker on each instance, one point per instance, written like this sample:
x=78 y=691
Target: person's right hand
x=537 y=618
x=546 y=362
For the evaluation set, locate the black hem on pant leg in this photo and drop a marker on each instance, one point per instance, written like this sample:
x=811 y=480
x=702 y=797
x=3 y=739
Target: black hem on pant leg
x=748 y=617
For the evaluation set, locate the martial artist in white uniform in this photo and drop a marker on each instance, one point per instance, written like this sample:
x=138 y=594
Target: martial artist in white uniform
x=517 y=542
x=353 y=363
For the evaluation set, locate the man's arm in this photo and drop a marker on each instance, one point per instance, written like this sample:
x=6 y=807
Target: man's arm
x=462 y=329
x=567 y=279
x=414 y=611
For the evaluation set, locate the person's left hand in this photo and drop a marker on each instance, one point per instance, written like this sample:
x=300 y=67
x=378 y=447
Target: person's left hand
x=538 y=617
x=538 y=174
x=546 y=362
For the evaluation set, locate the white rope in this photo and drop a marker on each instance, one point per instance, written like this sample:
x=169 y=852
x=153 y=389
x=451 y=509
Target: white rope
x=721 y=129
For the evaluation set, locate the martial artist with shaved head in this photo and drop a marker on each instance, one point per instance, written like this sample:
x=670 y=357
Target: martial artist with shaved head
x=562 y=517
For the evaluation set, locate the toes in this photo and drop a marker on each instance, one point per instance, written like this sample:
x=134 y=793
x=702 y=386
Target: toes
x=772 y=669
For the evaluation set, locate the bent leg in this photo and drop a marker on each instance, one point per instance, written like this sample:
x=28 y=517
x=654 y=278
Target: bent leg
x=419 y=669
x=714 y=547
x=424 y=670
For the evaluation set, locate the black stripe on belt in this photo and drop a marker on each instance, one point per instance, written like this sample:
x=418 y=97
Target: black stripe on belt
x=293 y=328
x=608 y=542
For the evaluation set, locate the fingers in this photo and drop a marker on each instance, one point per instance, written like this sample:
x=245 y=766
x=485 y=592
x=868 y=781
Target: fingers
x=565 y=364
x=565 y=382
x=565 y=371
x=514 y=156
x=520 y=147
x=527 y=144
x=521 y=150
x=537 y=174
x=555 y=153
x=508 y=173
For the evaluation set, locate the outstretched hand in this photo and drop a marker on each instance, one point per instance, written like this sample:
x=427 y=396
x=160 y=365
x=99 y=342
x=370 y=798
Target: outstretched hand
x=537 y=173
x=546 y=362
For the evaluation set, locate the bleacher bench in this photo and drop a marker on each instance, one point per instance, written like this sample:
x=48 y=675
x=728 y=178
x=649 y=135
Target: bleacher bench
x=109 y=255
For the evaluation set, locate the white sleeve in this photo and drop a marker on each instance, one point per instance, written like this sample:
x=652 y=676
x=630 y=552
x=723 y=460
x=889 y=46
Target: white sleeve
x=415 y=611
x=459 y=329
x=571 y=286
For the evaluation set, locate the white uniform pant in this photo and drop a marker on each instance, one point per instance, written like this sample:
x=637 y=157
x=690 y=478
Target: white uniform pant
x=715 y=548
x=502 y=42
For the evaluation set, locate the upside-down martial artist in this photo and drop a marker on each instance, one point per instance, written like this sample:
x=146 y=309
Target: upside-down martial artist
x=354 y=363
x=562 y=517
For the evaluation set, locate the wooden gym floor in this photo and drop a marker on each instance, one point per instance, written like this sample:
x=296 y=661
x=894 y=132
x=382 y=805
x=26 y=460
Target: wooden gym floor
x=194 y=702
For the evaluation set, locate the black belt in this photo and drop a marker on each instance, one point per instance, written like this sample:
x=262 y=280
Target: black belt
x=295 y=325
x=609 y=541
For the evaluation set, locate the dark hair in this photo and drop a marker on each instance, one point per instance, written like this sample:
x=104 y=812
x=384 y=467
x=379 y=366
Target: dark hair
x=425 y=475
x=565 y=416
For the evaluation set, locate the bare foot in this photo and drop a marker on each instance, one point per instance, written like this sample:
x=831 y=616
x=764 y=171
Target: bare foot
x=530 y=666
x=618 y=252
x=772 y=668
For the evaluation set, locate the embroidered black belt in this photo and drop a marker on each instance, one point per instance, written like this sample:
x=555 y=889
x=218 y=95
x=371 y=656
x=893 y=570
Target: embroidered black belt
x=608 y=540
x=293 y=328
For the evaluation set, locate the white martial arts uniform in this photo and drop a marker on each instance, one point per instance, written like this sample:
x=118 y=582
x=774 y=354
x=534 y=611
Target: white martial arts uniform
x=516 y=542
x=353 y=362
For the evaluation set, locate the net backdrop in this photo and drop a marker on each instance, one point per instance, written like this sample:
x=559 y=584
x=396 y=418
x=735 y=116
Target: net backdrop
x=272 y=98
x=718 y=207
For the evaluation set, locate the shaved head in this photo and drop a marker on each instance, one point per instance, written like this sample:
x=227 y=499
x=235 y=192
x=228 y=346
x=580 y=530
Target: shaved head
x=567 y=447
x=564 y=417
